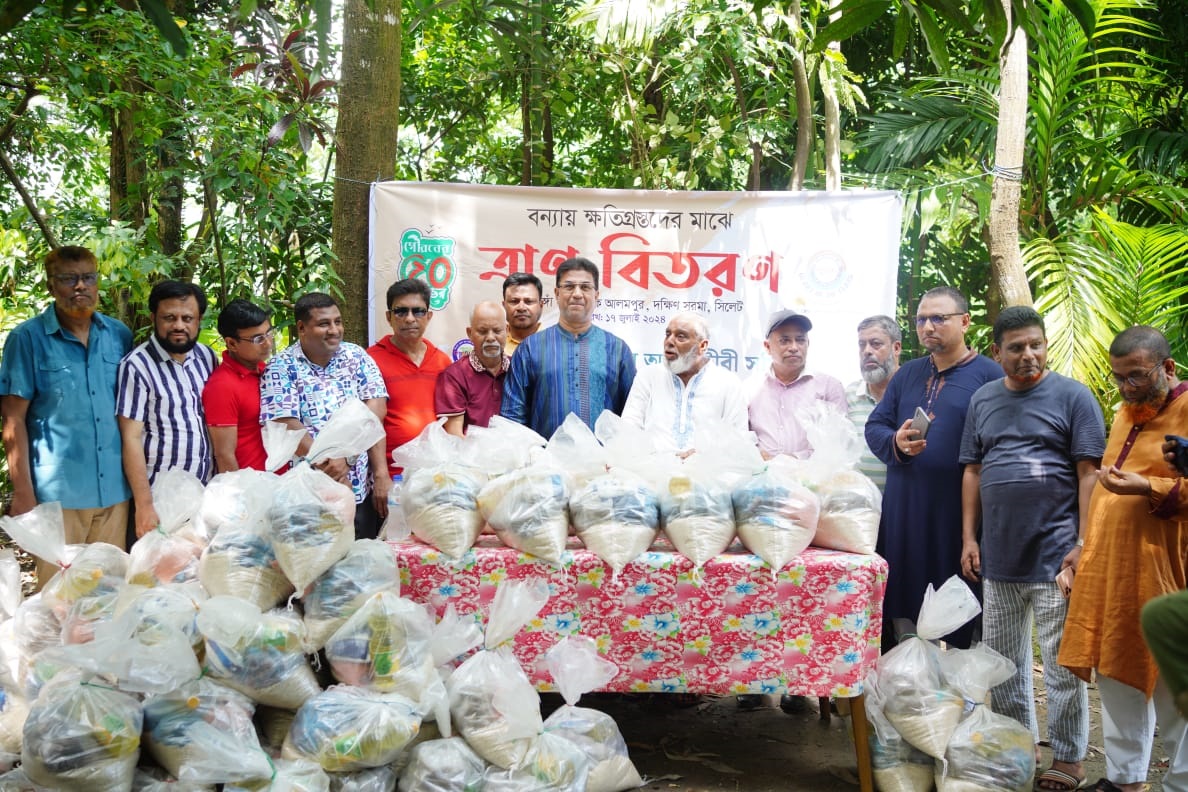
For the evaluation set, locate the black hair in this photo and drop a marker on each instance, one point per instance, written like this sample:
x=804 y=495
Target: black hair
x=239 y=314
x=948 y=291
x=176 y=290
x=409 y=286
x=1017 y=317
x=307 y=303
x=1141 y=337
x=578 y=263
x=525 y=279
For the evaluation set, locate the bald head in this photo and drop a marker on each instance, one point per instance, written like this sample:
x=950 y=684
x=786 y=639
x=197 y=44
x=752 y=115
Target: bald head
x=488 y=332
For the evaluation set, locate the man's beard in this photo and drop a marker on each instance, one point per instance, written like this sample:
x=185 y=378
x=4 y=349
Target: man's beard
x=177 y=349
x=1143 y=410
x=876 y=375
x=491 y=352
x=682 y=363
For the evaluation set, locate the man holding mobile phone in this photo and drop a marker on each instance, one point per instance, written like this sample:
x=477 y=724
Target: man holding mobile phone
x=1031 y=446
x=918 y=533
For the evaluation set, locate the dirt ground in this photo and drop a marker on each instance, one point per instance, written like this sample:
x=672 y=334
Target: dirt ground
x=714 y=746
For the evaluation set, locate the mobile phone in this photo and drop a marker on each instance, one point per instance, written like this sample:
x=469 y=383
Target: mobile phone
x=1180 y=452
x=921 y=422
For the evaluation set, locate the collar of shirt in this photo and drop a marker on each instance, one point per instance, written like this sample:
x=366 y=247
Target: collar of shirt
x=478 y=366
x=805 y=376
x=51 y=324
x=299 y=354
x=239 y=368
x=860 y=389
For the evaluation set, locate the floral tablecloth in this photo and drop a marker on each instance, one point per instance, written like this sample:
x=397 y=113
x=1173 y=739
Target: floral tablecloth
x=728 y=628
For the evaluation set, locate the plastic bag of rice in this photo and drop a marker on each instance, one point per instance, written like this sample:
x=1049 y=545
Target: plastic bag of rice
x=170 y=553
x=851 y=506
x=368 y=567
x=239 y=562
x=577 y=669
x=529 y=509
x=492 y=703
x=154 y=779
x=617 y=517
x=775 y=515
x=916 y=702
x=81 y=736
x=203 y=733
x=897 y=766
x=289 y=775
x=345 y=728
x=442 y=480
x=385 y=647
x=448 y=765
x=262 y=655
x=551 y=764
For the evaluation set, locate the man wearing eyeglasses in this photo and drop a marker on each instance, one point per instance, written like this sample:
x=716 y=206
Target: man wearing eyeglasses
x=231 y=398
x=920 y=530
x=57 y=399
x=409 y=363
x=1136 y=549
x=571 y=367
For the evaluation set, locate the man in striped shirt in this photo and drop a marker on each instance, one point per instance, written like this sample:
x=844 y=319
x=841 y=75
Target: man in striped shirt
x=879 y=344
x=571 y=367
x=159 y=397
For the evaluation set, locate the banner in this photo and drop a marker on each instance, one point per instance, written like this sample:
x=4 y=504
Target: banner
x=733 y=257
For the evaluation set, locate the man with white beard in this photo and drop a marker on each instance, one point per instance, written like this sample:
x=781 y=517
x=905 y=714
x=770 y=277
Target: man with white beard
x=470 y=390
x=879 y=343
x=668 y=400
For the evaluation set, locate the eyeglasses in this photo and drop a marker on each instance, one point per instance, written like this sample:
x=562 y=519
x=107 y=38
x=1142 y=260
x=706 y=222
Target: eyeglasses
x=1139 y=381
x=258 y=338
x=71 y=279
x=402 y=311
x=935 y=319
x=584 y=288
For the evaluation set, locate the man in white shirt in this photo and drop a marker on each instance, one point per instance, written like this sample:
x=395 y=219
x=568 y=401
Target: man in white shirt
x=670 y=399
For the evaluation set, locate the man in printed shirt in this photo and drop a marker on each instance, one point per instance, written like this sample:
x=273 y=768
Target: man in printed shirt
x=469 y=392
x=670 y=399
x=879 y=344
x=160 y=397
x=409 y=363
x=57 y=397
x=779 y=397
x=231 y=398
x=306 y=383
x=572 y=366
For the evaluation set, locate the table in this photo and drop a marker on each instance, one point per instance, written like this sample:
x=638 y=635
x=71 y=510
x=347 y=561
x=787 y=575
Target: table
x=732 y=627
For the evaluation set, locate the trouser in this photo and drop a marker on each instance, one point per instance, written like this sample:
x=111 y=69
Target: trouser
x=1128 y=721
x=366 y=519
x=1165 y=626
x=1007 y=614
x=87 y=526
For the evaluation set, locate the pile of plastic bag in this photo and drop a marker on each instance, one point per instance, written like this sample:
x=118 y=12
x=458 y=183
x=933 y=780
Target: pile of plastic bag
x=170 y=688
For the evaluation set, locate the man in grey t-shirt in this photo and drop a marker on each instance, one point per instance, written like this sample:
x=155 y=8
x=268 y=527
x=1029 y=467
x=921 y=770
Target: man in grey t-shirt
x=1031 y=446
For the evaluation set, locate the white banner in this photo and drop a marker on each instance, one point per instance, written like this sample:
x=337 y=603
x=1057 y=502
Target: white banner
x=733 y=257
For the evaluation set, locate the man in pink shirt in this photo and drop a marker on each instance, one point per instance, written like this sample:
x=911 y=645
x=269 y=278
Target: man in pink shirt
x=780 y=397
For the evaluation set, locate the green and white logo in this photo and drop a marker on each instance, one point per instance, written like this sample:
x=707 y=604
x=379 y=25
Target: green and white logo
x=432 y=260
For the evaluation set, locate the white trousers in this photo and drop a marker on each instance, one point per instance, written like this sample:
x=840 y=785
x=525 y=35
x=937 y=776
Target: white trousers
x=1128 y=721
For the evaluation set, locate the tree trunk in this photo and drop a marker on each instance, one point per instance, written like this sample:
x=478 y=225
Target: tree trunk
x=804 y=106
x=365 y=139
x=1008 y=278
x=832 y=115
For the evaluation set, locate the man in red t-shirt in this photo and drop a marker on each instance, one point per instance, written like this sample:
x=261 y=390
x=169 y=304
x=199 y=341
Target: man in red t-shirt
x=231 y=398
x=410 y=364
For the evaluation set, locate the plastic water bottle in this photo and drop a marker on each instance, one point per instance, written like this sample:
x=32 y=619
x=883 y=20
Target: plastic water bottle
x=395 y=528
